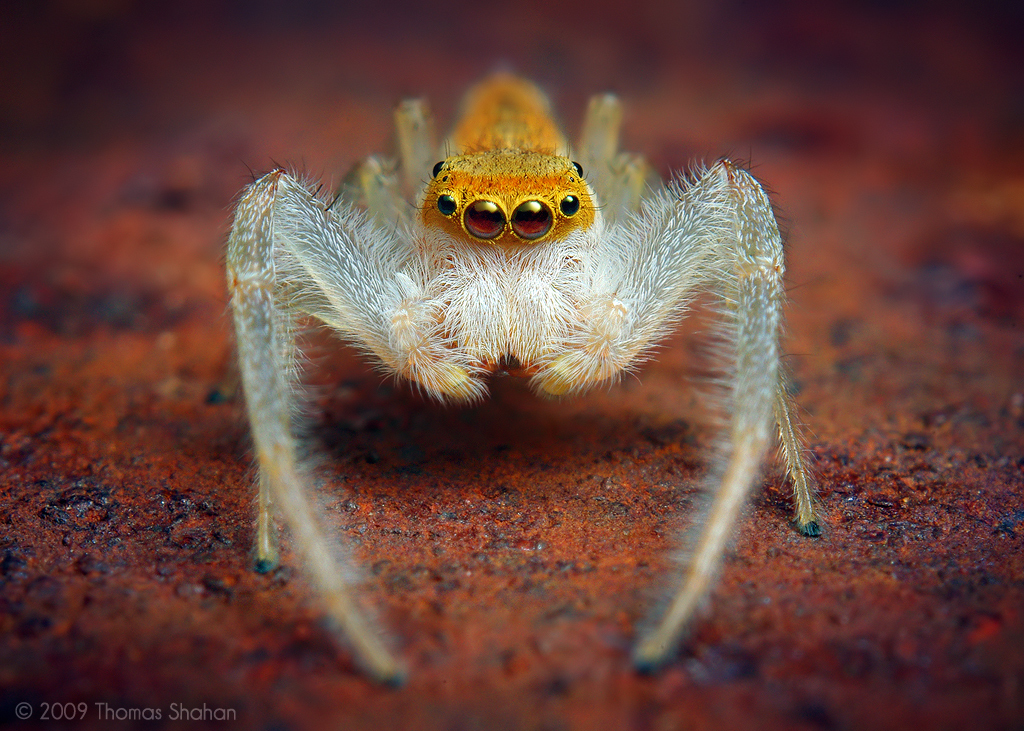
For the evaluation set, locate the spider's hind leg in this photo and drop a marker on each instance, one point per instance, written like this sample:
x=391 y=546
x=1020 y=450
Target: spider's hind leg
x=386 y=188
x=373 y=184
x=618 y=178
x=417 y=144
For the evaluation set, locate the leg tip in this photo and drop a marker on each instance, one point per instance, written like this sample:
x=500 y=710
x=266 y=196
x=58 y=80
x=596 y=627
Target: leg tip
x=264 y=565
x=394 y=680
x=648 y=660
x=811 y=529
x=377 y=663
x=646 y=666
x=390 y=675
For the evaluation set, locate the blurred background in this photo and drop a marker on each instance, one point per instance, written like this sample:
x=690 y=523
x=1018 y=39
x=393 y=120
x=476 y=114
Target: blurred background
x=514 y=547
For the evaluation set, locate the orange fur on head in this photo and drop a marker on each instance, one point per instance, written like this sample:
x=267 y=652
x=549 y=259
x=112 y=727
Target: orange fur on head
x=510 y=152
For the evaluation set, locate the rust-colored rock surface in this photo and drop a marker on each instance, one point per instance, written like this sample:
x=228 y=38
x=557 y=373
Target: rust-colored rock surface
x=512 y=548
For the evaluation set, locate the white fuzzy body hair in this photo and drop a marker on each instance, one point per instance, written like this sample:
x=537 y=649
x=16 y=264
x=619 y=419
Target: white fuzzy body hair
x=500 y=304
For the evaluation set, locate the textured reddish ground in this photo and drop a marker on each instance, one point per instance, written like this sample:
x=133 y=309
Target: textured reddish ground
x=513 y=548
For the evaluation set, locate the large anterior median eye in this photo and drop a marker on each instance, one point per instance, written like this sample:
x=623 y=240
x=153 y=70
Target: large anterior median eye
x=531 y=220
x=484 y=219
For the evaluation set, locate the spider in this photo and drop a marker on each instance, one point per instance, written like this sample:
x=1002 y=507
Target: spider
x=512 y=257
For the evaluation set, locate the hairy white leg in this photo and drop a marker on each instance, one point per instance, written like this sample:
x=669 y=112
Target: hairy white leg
x=649 y=267
x=366 y=282
x=636 y=178
x=291 y=253
x=806 y=517
x=373 y=183
x=719 y=233
x=619 y=178
x=264 y=351
x=751 y=284
x=417 y=144
x=599 y=143
x=267 y=556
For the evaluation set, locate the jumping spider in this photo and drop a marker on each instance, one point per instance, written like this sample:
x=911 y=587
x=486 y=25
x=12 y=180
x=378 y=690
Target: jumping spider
x=514 y=258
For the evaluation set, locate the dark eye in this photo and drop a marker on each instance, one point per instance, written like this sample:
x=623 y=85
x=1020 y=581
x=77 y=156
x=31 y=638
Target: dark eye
x=576 y=165
x=446 y=204
x=531 y=220
x=569 y=205
x=484 y=219
x=437 y=169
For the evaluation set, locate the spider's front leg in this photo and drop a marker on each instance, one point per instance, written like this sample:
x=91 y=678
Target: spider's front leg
x=717 y=234
x=263 y=329
x=288 y=255
x=746 y=267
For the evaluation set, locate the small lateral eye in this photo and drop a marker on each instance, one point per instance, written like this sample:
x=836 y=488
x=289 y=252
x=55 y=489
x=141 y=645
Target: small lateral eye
x=576 y=165
x=446 y=204
x=569 y=205
x=531 y=220
x=484 y=219
x=437 y=169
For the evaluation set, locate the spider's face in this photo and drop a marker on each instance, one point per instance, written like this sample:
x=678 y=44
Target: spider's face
x=508 y=197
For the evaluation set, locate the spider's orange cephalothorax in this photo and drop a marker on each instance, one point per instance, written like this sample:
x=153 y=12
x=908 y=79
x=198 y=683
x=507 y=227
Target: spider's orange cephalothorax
x=510 y=182
x=508 y=197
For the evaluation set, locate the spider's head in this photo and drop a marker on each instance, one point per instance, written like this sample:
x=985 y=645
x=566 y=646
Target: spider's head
x=508 y=197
